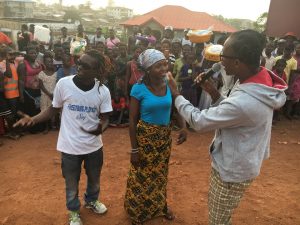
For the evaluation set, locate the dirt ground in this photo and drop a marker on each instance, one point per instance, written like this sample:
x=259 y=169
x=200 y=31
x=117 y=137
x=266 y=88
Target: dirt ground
x=32 y=188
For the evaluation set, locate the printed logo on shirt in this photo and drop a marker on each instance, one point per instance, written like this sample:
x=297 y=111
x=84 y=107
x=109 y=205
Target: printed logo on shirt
x=82 y=109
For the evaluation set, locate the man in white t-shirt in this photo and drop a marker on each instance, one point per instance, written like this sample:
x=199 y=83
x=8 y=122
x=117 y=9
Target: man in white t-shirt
x=85 y=104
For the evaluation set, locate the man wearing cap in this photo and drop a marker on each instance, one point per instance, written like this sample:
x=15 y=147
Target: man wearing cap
x=290 y=38
x=168 y=33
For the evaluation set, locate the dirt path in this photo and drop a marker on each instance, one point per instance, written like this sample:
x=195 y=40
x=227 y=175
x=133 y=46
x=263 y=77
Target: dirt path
x=32 y=188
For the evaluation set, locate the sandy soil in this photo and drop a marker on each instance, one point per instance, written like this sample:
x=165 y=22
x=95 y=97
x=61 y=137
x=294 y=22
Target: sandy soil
x=32 y=188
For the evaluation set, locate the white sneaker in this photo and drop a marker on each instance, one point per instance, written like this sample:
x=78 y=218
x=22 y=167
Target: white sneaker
x=96 y=206
x=74 y=218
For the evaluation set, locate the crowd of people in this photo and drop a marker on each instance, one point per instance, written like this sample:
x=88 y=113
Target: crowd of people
x=81 y=85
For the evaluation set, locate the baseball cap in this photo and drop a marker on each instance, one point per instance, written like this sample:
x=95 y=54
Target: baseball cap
x=290 y=34
x=169 y=28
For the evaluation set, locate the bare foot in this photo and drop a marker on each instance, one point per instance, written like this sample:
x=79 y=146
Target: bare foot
x=169 y=215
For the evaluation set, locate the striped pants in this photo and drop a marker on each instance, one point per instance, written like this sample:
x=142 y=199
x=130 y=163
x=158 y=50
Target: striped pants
x=223 y=198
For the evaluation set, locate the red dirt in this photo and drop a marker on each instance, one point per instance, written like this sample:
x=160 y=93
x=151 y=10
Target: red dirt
x=32 y=188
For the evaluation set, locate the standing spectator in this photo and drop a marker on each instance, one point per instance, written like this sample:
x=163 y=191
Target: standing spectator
x=133 y=73
x=121 y=62
x=278 y=69
x=186 y=49
x=9 y=91
x=67 y=69
x=166 y=50
x=58 y=56
x=291 y=63
x=268 y=59
x=80 y=35
x=47 y=81
x=64 y=36
x=132 y=39
x=98 y=37
x=100 y=47
x=28 y=71
x=147 y=40
x=290 y=38
x=168 y=33
x=186 y=78
x=112 y=41
x=176 y=48
x=31 y=30
x=280 y=44
x=185 y=40
x=23 y=38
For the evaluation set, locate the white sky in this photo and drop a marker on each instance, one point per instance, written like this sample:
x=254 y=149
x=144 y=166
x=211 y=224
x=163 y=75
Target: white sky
x=243 y=9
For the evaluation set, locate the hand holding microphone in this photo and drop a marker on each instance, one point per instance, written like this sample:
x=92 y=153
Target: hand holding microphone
x=206 y=85
x=200 y=79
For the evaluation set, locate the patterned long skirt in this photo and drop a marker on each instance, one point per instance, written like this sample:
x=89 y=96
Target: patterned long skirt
x=146 y=193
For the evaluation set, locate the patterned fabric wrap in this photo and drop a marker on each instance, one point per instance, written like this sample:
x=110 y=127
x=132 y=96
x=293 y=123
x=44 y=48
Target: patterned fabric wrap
x=146 y=193
x=223 y=198
x=150 y=56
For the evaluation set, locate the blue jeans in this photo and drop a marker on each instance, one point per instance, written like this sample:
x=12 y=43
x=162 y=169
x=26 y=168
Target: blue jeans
x=71 y=169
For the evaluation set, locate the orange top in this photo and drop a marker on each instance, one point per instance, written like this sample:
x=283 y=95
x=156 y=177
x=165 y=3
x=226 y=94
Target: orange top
x=11 y=87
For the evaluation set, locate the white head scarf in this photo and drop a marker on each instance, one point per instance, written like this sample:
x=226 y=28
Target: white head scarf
x=150 y=56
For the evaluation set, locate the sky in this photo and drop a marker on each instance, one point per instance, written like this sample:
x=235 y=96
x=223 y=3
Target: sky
x=242 y=9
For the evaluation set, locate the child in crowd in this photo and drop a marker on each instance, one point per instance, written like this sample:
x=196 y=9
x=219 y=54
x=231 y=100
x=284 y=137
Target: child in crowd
x=67 y=69
x=166 y=50
x=186 y=78
x=279 y=67
x=278 y=70
x=133 y=74
x=119 y=116
x=58 y=56
x=47 y=81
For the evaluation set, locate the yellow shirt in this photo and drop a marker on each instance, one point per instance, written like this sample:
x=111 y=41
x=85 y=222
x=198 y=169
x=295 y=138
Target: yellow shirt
x=291 y=64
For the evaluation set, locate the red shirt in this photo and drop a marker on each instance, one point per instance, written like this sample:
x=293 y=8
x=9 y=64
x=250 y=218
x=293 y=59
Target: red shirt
x=119 y=105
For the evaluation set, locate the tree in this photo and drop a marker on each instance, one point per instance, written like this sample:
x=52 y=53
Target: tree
x=239 y=24
x=260 y=23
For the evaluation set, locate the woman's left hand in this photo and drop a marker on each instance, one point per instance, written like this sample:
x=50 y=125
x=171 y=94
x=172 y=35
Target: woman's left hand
x=182 y=136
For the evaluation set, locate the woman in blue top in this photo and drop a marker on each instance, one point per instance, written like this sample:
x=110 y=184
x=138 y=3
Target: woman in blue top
x=150 y=135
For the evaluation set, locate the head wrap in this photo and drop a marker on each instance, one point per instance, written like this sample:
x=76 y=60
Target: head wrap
x=150 y=56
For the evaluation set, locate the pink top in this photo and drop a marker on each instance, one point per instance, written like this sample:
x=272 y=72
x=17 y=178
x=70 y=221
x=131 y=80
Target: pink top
x=135 y=73
x=112 y=43
x=31 y=80
x=295 y=89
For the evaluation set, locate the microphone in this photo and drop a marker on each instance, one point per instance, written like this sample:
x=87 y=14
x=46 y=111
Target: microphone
x=214 y=69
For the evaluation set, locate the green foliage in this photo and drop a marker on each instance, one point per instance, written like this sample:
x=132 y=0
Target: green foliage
x=239 y=24
x=260 y=23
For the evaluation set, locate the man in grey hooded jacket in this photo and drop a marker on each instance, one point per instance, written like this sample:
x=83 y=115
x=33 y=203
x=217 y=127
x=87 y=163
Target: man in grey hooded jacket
x=242 y=122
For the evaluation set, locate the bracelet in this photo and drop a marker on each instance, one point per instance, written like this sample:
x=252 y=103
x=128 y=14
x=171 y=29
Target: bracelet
x=134 y=150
